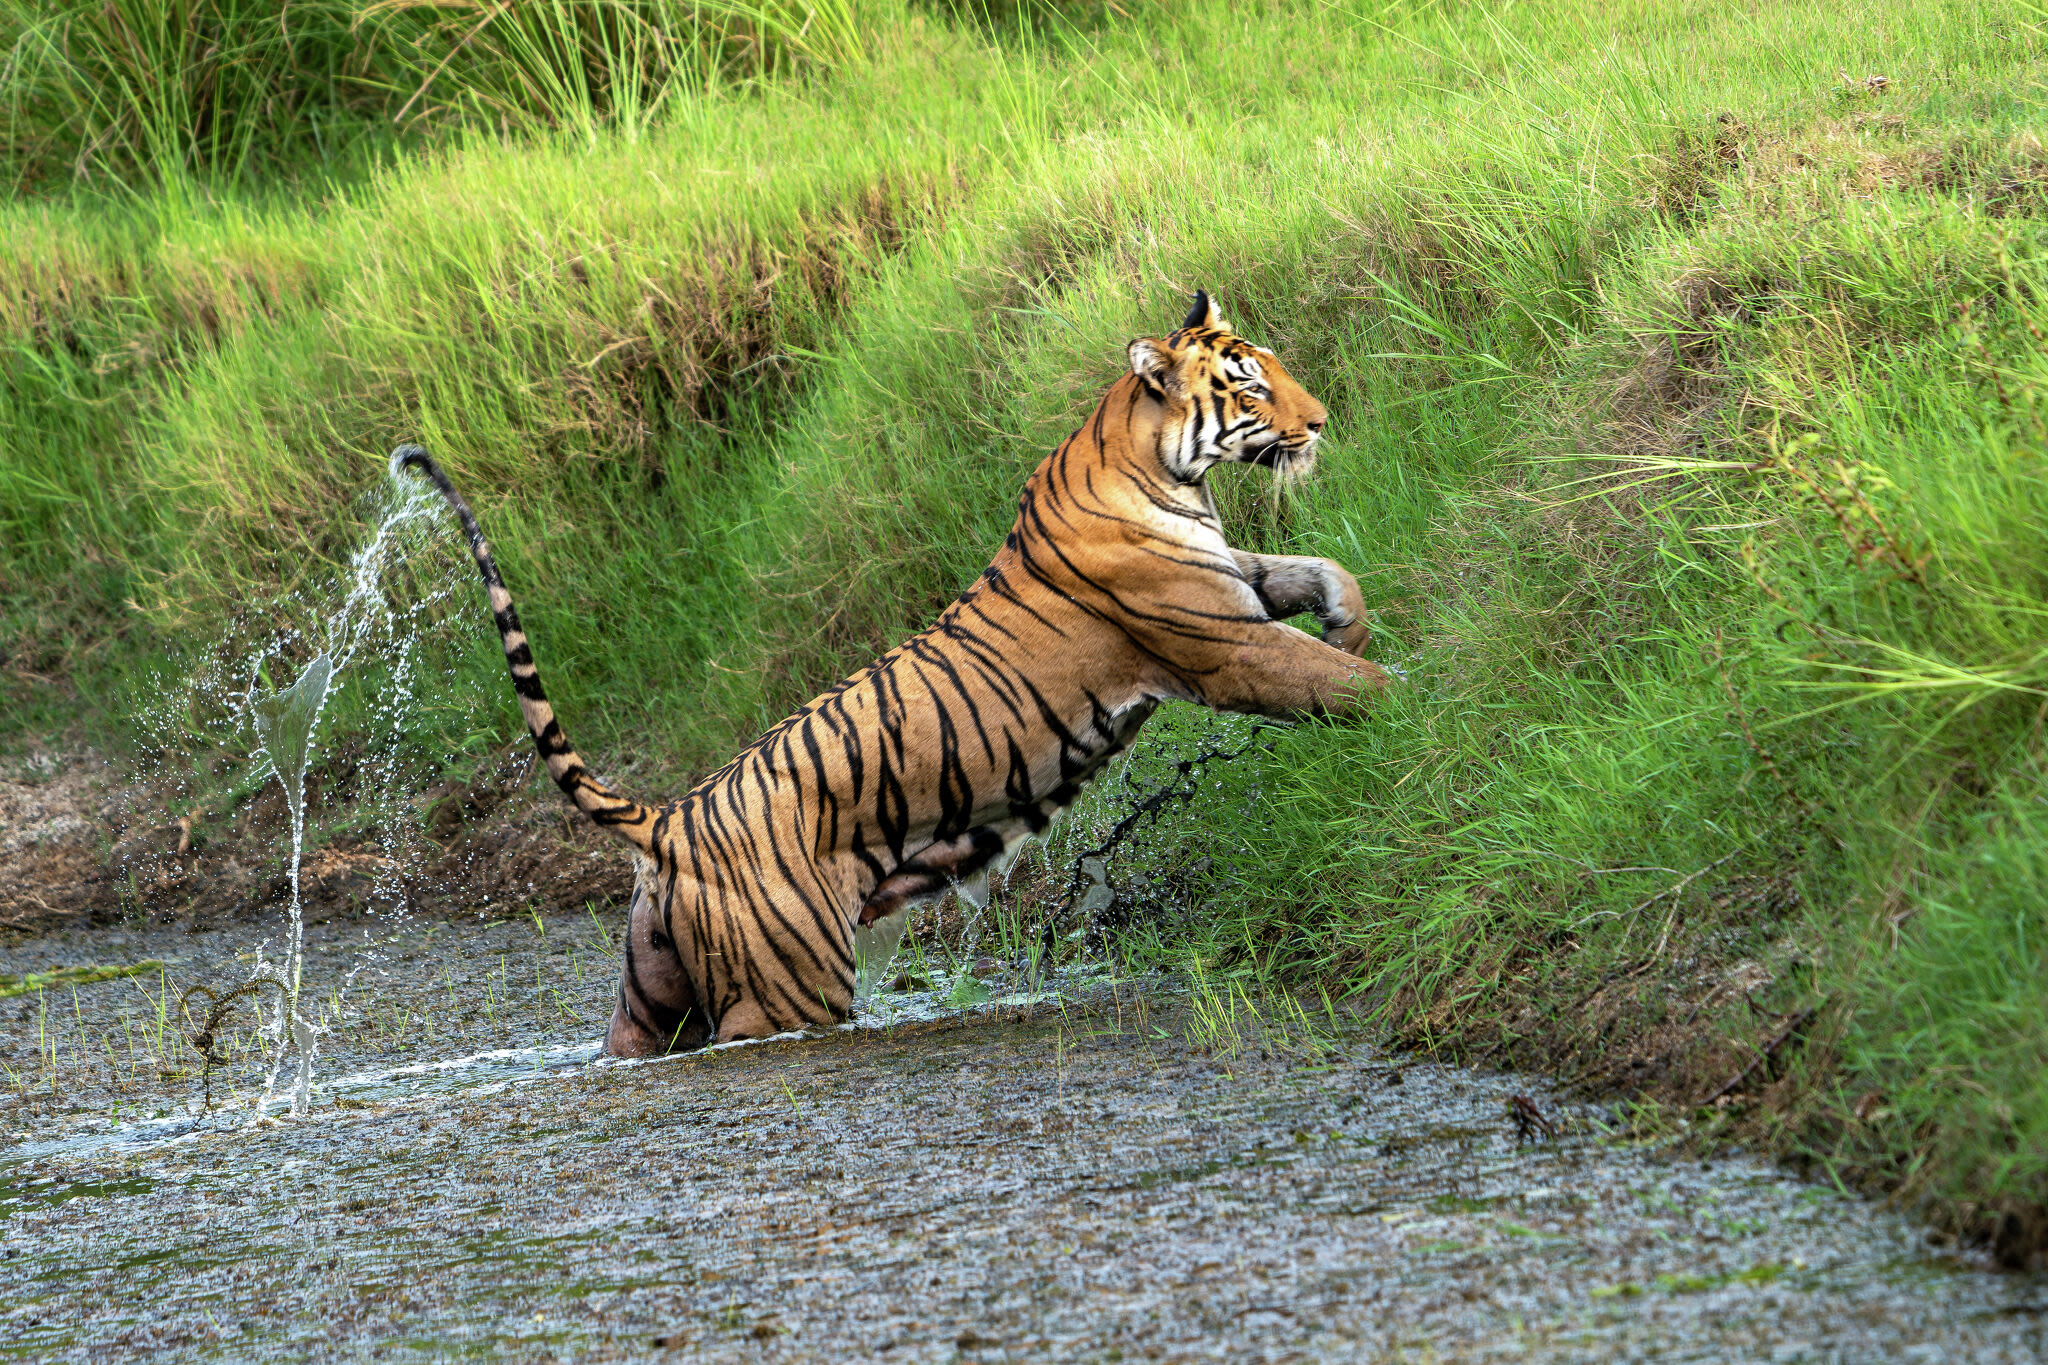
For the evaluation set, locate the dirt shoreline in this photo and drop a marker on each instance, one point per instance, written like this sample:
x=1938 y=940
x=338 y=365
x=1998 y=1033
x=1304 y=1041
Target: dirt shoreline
x=81 y=846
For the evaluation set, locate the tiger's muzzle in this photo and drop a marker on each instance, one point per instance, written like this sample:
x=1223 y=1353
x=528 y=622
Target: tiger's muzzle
x=1289 y=460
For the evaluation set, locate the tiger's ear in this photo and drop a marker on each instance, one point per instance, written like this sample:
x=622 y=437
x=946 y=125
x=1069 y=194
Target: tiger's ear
x=1155 y=364
x=1204 y=313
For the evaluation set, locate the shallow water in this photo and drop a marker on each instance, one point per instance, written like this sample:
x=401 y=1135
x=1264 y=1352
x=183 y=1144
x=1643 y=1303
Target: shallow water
x=1072 y=1181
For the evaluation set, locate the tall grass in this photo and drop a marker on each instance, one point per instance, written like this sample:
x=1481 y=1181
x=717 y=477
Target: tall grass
x=1685 y=439
x=112 y=89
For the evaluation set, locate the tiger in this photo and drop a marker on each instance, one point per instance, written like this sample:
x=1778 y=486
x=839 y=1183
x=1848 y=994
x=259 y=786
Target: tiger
x=924 y=772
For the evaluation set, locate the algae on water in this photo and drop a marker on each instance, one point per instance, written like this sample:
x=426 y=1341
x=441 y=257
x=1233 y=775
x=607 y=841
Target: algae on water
x=30 y=982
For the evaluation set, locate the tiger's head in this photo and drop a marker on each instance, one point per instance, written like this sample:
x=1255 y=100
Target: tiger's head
x=1226 y=401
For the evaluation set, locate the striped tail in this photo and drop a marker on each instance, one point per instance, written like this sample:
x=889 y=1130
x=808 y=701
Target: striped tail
x=623 y=816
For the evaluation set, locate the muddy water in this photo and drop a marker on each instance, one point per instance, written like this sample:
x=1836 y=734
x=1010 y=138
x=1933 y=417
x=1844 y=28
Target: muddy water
x=1104 y=1179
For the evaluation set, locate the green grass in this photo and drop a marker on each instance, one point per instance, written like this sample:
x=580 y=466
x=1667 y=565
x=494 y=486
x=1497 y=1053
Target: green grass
x=250 y=91
x=1687 y=442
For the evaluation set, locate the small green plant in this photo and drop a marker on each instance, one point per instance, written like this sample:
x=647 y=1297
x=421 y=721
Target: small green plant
x=1225 y=1020
x=968 y=991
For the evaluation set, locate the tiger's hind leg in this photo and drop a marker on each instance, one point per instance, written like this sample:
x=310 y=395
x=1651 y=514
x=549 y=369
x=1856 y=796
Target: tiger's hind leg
x=657 y=1010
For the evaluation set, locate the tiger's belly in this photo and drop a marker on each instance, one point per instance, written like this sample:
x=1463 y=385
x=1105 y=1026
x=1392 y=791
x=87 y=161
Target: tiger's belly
x=964 y=862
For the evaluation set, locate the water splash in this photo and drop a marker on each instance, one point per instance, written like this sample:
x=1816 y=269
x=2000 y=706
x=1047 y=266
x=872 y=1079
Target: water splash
x=394 y=605
x=284 y=723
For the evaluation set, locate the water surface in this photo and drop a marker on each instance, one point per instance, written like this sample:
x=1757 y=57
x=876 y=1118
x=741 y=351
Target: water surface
x=1076 y=1181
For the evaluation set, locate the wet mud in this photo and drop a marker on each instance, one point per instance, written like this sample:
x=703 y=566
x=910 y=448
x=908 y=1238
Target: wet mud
x=86 y=844
x=1117 y=1175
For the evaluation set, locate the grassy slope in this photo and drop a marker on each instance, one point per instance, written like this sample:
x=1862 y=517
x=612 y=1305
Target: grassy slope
x=1687 y=444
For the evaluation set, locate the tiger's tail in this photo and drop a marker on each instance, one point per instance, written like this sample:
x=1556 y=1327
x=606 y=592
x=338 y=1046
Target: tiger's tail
x=621 y=815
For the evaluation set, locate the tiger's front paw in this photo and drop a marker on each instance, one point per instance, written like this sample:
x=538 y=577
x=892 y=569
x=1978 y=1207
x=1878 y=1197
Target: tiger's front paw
x=1351 y=637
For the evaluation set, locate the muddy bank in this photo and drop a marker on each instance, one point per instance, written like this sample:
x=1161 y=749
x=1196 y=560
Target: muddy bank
x=1126 y=1176
x=1719 y=1035
x=84 y=844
